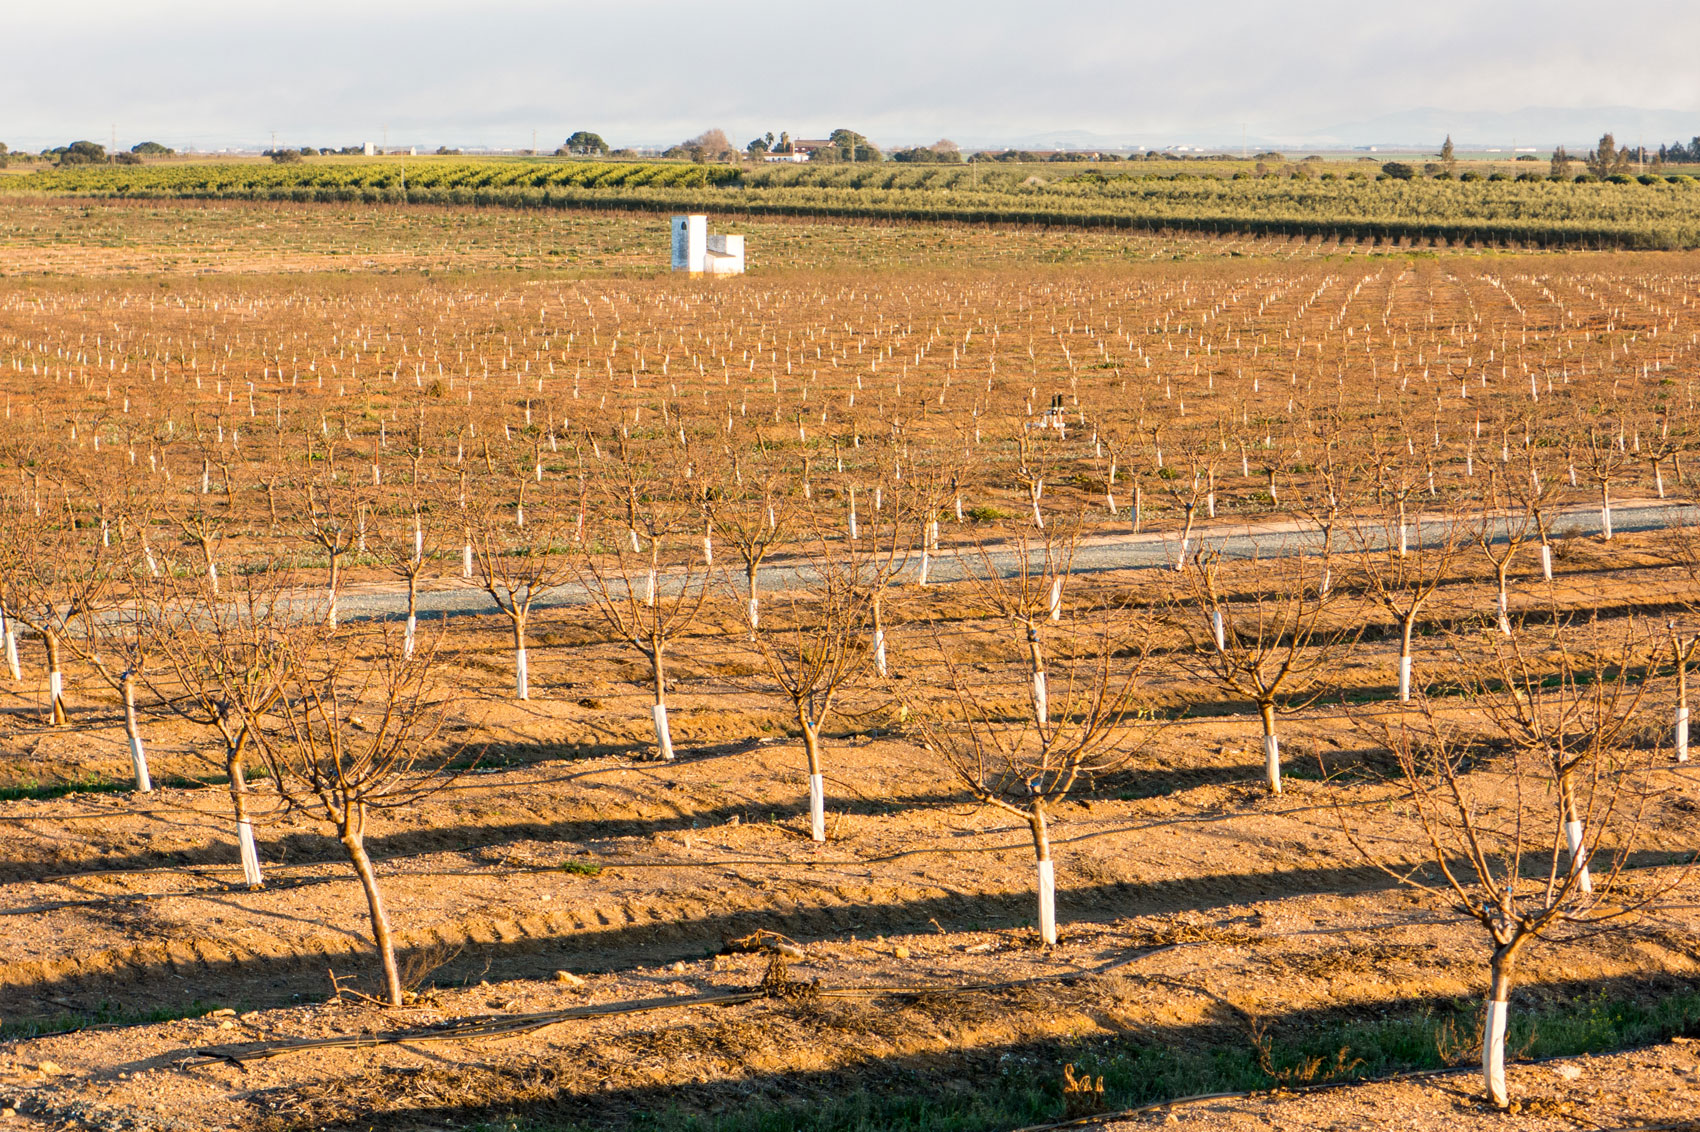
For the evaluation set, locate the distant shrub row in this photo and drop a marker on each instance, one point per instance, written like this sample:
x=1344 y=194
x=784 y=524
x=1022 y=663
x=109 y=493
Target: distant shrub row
x=1624 y=211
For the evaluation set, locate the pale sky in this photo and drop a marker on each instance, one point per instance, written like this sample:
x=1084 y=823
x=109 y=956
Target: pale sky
x=646 y=72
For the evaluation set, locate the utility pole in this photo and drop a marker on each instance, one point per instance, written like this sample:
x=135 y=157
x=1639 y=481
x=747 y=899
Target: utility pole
x=534 y=141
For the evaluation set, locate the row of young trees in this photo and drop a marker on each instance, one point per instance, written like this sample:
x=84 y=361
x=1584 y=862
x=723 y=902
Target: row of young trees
x=346 y=716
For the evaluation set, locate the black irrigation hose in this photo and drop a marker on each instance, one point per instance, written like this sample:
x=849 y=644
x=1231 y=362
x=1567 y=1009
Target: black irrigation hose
x=503 y=1026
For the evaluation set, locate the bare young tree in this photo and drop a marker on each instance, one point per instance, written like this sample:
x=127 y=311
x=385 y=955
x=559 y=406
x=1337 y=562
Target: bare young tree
x=1024 y=763
x=645 y=609
x=517 y=565
x=354 y=732
x=1568 y=693
x=223 y=661
x=1273 y=635
x=1488 y=829
x=820 y=647
x=1402 y=576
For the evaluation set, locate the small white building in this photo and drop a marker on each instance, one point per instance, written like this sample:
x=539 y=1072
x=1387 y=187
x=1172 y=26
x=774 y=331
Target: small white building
x=695 y=251
x=369 y=149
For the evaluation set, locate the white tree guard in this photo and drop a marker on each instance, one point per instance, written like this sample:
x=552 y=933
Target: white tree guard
x=407 y=638
x=755 y=613
x=55 y=688
x=1048 y=901
x=522 y=675
x=1056 y=599
x=1546 y=562
x=1493 y=1052
x=1404 y=679
x=12 y=654
x=1272 y=761
x=817 y=808
x=926 y=562
x=466 y=561
x=663 y=736
x=1605 y=521
x=1578 y=855
x=250 y=855
x=1681 y=737
x=1041 y=709
x=1218 y=630
x=139 y=762
x=879 y=652
x=707 y=551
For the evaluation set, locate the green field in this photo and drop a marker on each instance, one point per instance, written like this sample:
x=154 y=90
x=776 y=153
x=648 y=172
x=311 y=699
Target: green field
x=1625 y=212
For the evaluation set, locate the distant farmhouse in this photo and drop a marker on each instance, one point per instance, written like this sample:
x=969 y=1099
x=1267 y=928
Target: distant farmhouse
x=695 y=251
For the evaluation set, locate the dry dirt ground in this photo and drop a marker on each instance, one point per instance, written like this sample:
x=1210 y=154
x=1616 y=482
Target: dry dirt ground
x=1200 y=914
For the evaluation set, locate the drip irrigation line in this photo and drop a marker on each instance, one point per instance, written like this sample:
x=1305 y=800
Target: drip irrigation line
x=503 y=1026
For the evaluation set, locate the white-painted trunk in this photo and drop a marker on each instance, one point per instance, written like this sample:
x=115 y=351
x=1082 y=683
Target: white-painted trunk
x=1605 y=521
x=1272 y=762
x=12 y=653
x=1056 y=599
x=1404 y=541
x=1180 y=558
x=250 y=855
x=1404 y=679
x=139 y=763
x=407 y=637
x=1041 y=705
x=663 y=736
x=1048 y=902
x=649 y=588
x=466 y=561
x=817 y=808
x=754 y=610
x=55 y=688
x=1327 y=582
x=1578 y=855
x=1493 y=1053
x=926 y=564
x=1681 y=737
x=853 y=532
x=1504 y=615
x=1218 y=630
x=522 y=675
x=1546 y=561
x=879 y=652
x=707 y=551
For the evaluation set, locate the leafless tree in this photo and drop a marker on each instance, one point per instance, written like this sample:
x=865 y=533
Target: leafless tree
x=1026 y=762
x=1271 y=634
x=1488 y=830
x=223 y=659
x=354 y=732
x=820 y=647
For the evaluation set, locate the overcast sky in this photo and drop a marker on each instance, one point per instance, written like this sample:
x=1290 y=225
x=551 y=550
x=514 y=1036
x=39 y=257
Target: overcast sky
x=644 y=72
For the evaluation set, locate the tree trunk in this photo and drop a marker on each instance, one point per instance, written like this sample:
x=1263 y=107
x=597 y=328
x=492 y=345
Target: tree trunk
x=11 y=635
x=1680 y=737
x=330 y=613
x=1605 y=511
x=1036 y=658
x=1546 y=560
x=522 y=676
x=1493 y=1027
x=412 y=616
x=1406 y=624
x=817 y=787
x=354 y=844
x=1047 y=875
x=138 y=753
x=244 y=827
x=55 y=680
x=1271 y=747
x=663 y=734
x=1574 y=835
